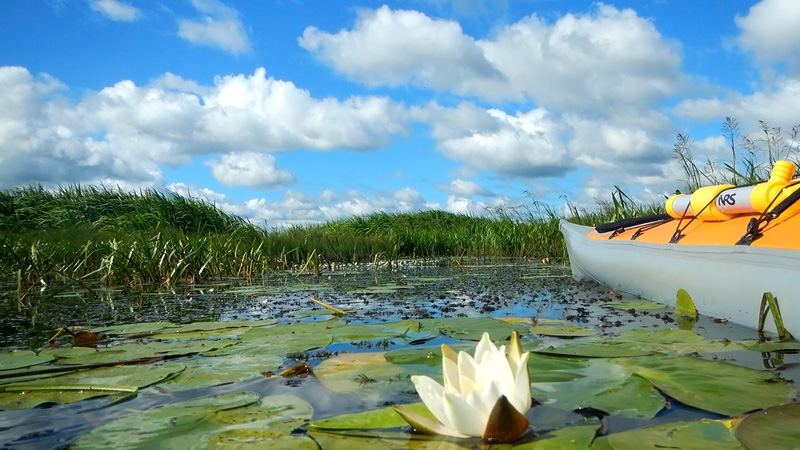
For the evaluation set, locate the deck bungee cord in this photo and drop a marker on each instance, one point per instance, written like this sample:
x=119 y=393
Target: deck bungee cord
x=718 y=203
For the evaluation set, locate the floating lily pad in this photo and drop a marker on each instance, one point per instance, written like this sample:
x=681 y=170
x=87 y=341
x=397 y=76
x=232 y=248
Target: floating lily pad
x=215 y=333
x=713 y=385
x=193 y=423
x=279 y=340
x=703 y=434
x=551 y=369
x=773 y=428
x=664 y=336
x=134 y=328
x=25 y=397
x=772 y=346
x=633 y=304
x=352 y=333
x=568 y=438
x=154 y=349
x=77 y=386
x=605 y=385
x=430 y=356
x=472 y=328
x=383 y=441
x=206 y=372
x=367 y=375
x=675 y=341
x=596 y=349
x=561 y=329
x=17 y=359
x=376 y=418
x=261 y=439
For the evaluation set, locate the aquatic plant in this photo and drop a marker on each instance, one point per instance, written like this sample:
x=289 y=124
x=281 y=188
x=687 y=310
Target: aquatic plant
x=485 y=396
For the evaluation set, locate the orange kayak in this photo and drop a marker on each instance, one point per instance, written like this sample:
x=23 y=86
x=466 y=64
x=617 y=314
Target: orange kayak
x=726 y=259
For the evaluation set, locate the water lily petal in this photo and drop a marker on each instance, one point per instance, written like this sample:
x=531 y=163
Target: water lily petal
x=463 y=416
x=514 y=351
x=467 y=374
x=424 y=424
x=483 y=400
x=521 y=396
x=495 y=368
x=432 y=394
x=485 y=347
x=450 y=368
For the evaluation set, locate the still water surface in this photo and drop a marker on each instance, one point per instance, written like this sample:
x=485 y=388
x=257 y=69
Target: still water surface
x=412 y=291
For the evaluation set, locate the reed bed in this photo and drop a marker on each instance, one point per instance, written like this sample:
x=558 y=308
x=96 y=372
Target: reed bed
x=90 y=236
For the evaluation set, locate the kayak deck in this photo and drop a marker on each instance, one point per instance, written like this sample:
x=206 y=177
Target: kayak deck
x=783 y=232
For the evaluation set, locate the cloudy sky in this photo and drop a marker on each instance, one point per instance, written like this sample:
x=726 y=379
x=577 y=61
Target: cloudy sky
x=296 y=111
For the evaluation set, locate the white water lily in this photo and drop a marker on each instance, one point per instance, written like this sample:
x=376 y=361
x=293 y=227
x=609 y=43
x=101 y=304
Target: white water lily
x=486 y=395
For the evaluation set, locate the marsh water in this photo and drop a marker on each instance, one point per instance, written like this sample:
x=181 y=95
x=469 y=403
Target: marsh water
x=410 y=290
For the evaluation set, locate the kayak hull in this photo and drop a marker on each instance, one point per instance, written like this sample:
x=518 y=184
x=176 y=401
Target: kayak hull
x=724 y=281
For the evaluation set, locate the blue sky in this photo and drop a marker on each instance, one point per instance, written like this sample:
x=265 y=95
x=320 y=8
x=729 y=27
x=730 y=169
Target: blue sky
x=302 y=111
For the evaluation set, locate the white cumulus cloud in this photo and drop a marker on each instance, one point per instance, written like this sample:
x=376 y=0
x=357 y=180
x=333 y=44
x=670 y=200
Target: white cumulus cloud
x=770 y=32
x=593 y=61
x=464 y=188
x=123 y=134
x=116 y=10
x=220 y=27
x=527 y=144
x=256 y=170
x=398 y=47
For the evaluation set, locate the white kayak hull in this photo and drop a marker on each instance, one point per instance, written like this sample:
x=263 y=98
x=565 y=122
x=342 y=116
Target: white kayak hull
x=723 y=281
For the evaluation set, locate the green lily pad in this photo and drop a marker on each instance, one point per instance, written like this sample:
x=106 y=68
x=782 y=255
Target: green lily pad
x=17 y=359
x=134 y=328
x=713 y=385
x=430 y=356
x=542 y=368
x=771 y=346
x=552 y=369
x=605 y=385
x=279 y=340
x=366 y=375
x=216 y=333
x=76 y=386
x=261 y=439
x=154 y=349
x=205 y=372
x=25 y=396
x=568 y=438
x=673 y=341
x=375 y=440
x=472 y=328
x=700 y=435
x=561 y=329
x=193 y=423
x=376 y=418
x=597 y=349
x=352 y=333
x=775 y=427
x=684 y=306
x=69 y=352
x=634 y=304
x=664 y=336
x=282 y=413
